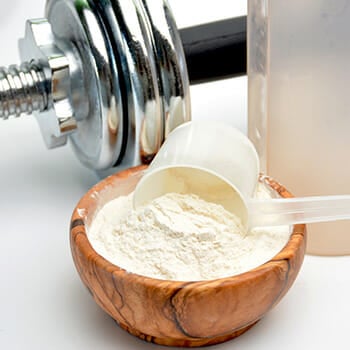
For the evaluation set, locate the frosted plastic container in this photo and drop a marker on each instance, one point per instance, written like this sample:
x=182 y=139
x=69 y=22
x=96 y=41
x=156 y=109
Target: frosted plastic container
x=299 y=102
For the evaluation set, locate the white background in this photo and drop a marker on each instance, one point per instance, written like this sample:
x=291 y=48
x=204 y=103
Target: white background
x=43 y=304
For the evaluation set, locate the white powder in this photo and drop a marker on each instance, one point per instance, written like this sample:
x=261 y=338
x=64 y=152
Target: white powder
x=181 y=237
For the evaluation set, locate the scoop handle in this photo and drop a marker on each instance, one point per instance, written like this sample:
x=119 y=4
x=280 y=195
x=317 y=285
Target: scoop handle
x=289 y=211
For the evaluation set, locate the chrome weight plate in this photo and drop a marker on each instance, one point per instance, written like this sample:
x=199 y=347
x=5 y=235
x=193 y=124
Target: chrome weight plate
x=99 y=141
x=170 y=58
x=135 y=87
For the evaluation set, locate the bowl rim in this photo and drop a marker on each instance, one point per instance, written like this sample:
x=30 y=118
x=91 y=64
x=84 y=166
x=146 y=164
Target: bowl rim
x=79 y=238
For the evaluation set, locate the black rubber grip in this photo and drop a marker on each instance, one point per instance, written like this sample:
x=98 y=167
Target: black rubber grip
x=216 y=50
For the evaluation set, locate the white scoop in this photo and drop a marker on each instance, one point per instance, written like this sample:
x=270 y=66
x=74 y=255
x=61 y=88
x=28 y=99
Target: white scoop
x=218 y=163
x=210 y=159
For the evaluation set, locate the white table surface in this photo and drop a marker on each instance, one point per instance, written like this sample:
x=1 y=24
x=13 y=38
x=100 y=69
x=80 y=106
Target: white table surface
x=43 y=304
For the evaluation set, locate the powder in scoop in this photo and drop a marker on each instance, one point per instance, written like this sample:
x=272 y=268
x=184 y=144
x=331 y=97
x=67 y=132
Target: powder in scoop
x=181 y=237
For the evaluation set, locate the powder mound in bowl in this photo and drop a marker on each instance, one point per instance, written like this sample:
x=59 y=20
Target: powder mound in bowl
x=181 y=237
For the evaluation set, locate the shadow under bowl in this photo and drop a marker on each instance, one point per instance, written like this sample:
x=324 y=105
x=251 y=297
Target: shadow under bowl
x=175 y=313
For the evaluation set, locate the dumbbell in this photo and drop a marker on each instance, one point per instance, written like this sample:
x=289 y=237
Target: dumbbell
x=113 y=75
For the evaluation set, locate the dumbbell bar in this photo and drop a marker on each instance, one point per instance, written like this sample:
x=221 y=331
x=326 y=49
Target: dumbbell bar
x=216 y=50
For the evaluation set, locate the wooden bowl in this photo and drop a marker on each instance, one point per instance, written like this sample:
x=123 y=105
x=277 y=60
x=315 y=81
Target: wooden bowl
x=173 y=313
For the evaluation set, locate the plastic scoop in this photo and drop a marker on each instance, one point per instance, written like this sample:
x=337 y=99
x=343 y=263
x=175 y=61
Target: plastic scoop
x=219 y=164
x=210 y=159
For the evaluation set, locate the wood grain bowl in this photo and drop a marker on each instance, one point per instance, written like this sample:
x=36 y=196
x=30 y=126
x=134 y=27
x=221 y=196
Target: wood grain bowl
x=187 y=314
